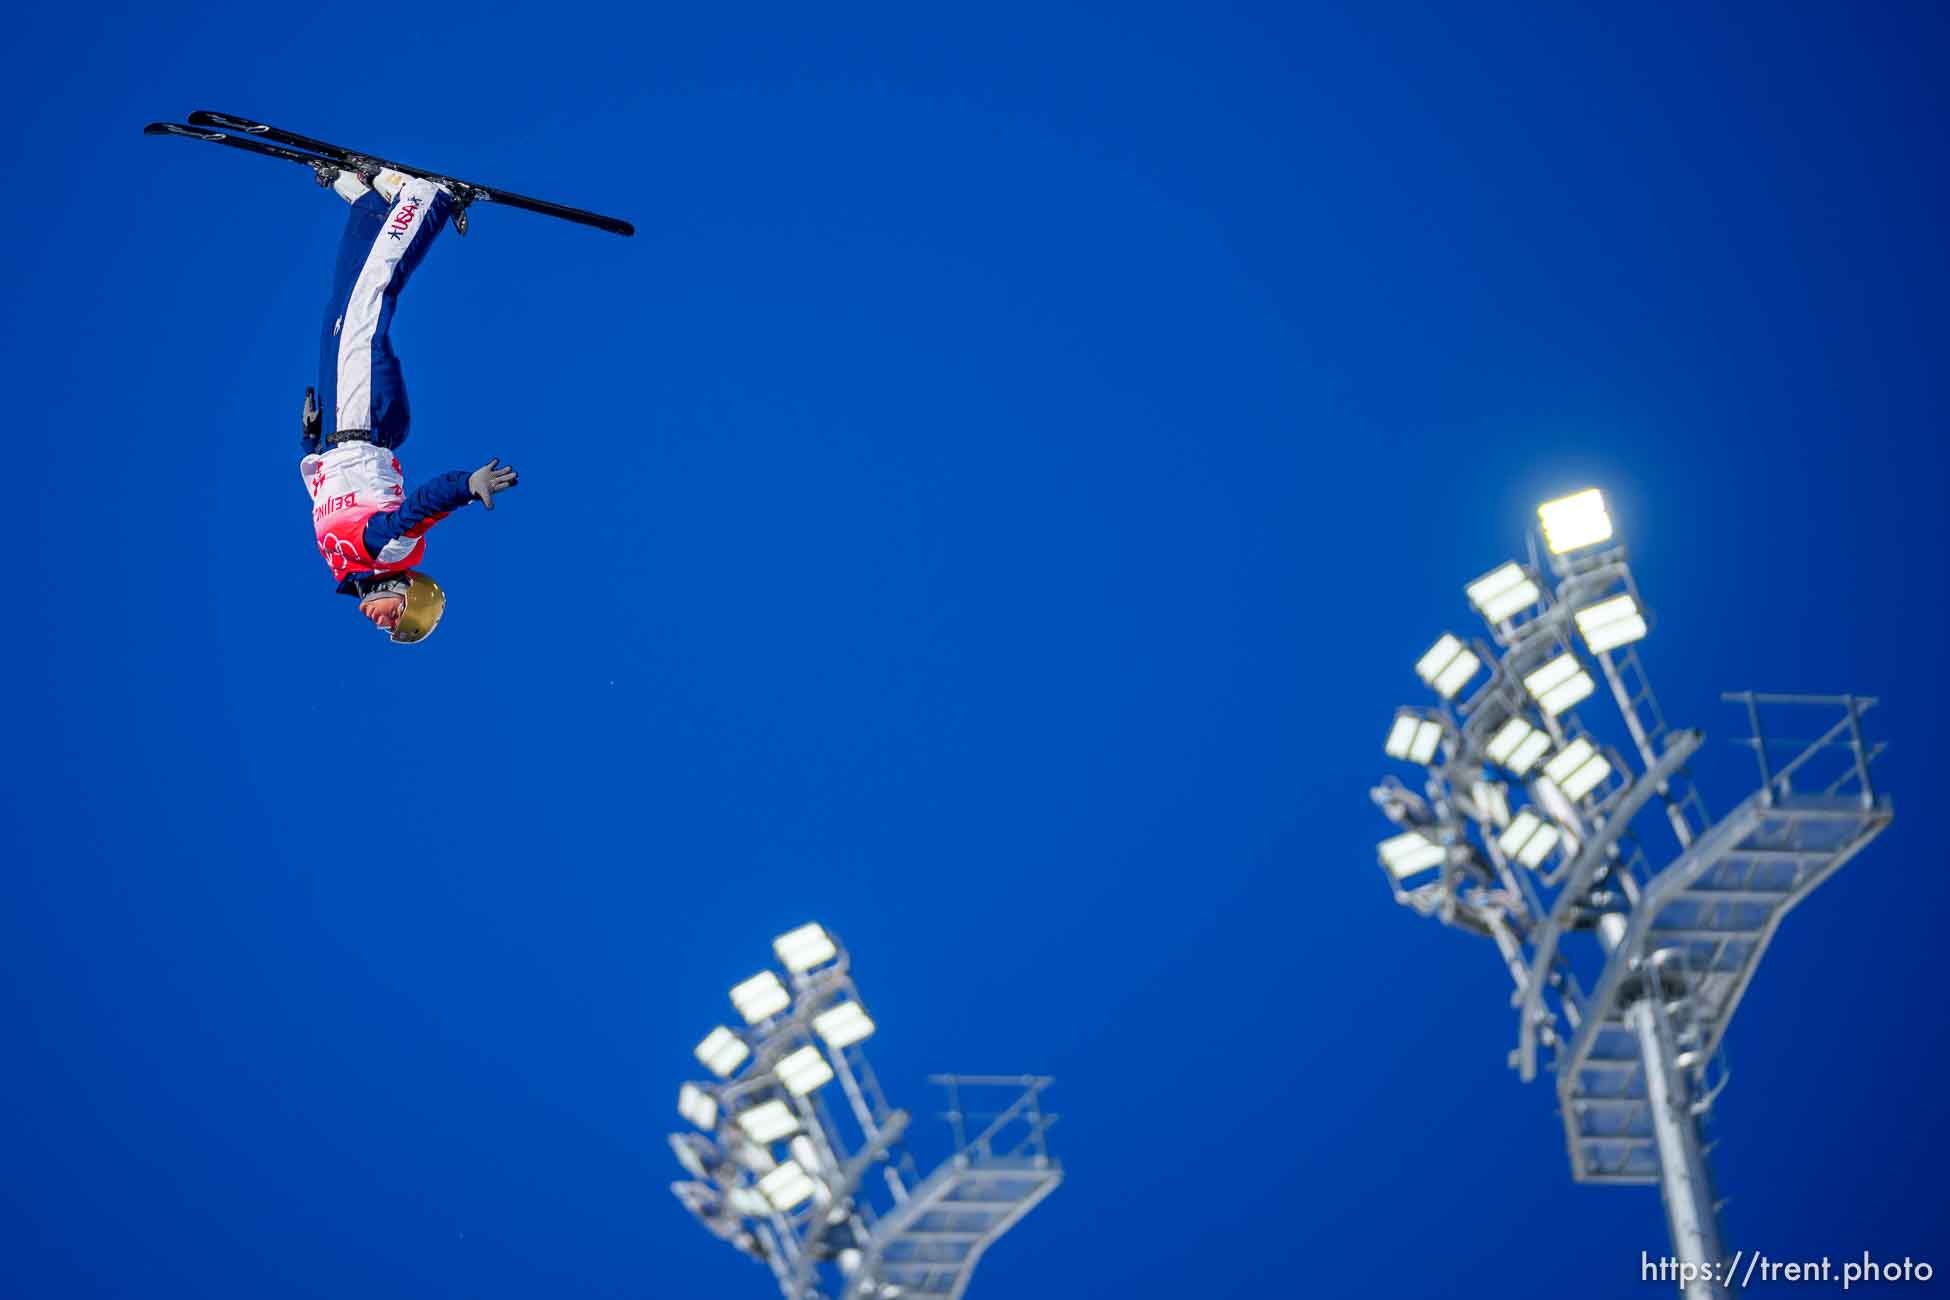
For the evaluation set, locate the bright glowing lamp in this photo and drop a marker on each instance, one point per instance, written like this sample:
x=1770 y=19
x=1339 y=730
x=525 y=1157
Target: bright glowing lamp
x=1575 y=522
x=1577 y=768
x=1447 y=665
x=750 y=1202
x=843 y=1025
x=1406 y=854
x=1611 y=623
x=1491 y=802
x=722 y=1052
x=802 y=949
x=760 y=998
x=697 y=1106
x=1559 y=684
x=803 y=1071
x=1413 y=737
x=1529 y=838
x=769 y=1121
x=1503 y=592
x=1517 y=745
x=786 y=1186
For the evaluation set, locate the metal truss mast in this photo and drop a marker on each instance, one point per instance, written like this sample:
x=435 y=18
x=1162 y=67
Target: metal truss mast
x=1629 y=955
x=826 y=1196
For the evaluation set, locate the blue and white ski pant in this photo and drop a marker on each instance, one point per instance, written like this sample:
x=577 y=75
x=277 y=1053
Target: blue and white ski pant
x=359 y=380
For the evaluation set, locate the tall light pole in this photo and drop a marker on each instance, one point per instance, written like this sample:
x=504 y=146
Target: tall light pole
x=1631 y=939
x=827 y=1196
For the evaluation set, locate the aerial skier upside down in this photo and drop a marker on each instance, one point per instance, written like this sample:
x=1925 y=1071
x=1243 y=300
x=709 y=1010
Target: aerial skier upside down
x=371 y=531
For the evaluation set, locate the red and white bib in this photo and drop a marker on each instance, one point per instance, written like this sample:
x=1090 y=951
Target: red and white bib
x=349 y=484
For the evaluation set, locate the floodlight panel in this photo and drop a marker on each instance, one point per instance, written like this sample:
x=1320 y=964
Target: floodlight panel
x=755 y=1158
x=1439 y=655
x=1447 y=665
x=697 y=1106
x=1561 y=697
x=1427 y=737
x=1408 y=853
x=1611 y=623
x=803 y=1071
x=1539 y=846
x=1569 y=759
x=804 y=1152
x=722 y=1051
x=1559 y=684
x=1574 y=522
x=1518 y=832
x=1553 y=673
x=843 y=1025
x=1623 y=631
x=1491 y=802
x=1526 y=755
x=1508 y=736
x=1401 y=736
x=1460 y=669
x=786 y=1187
x=1583 y=781
x=750 y=1202
x=1503 y=592
x=769 y=1121
x=760 y=998
x=804 y=948
x=683 y=1146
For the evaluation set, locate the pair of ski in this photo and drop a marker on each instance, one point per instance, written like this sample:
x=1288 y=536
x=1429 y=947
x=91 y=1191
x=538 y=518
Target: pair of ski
x=323 y=159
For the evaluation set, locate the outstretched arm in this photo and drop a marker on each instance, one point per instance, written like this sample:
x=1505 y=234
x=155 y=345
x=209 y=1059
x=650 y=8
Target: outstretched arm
x=432 y=501
x=425 y=506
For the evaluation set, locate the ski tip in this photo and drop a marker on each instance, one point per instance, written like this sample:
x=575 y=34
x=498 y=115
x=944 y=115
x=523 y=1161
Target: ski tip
x=158 y=128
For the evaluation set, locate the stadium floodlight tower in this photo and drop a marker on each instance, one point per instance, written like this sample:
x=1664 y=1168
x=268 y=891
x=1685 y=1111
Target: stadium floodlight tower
x=785 y=1178
x=1527 y=831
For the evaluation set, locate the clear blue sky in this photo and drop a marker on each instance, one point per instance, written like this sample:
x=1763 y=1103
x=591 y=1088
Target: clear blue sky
x=991 y=508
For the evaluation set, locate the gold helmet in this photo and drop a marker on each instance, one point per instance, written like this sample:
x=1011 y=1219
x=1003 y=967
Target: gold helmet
x=424 y=604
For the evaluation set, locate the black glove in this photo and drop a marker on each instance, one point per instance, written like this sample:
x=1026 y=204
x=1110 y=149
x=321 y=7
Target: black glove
x=491 y=478
x=314 y=418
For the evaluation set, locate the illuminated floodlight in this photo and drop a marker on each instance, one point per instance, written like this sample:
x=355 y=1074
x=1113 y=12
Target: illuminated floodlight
x=1611 y=623
x=786 y=1186
x=1503 y=592
x=690 y=1150
x=1406 y=854
x=1490 y=800
x=722 y=1052
x=843 y=1025
x=804 y=1152
x=760 y=998
x=1577 y=768
x=1517 y=745
x=1559 y=684
x=1574 y=522
x=755 y=1158
x=697 y=1106
x=1413 y=737
x=1448 y=664
x=1529 y=838
x=750 y=1202
x=802 y=949
x=769 y=1121
x=803 y=1071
